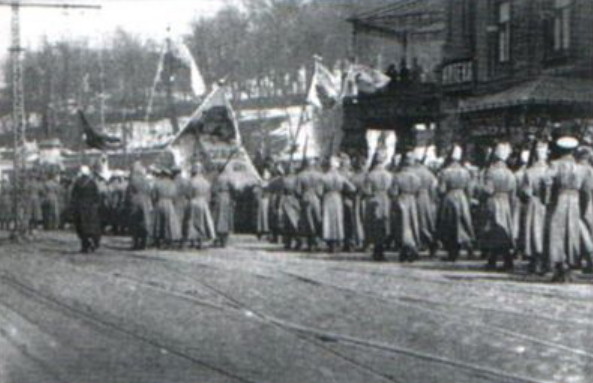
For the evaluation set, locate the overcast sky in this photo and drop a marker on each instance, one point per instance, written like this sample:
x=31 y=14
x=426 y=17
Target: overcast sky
x=148 y=18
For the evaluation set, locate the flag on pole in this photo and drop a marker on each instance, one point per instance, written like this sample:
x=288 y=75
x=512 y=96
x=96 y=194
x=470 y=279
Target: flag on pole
x=197 y=81
x=369 y=80
x=96 y=139
x=362 y=78
x=212 y=136
x=323 y=93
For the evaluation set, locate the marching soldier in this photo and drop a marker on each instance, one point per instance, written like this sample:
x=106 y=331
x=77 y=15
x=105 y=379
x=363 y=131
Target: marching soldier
x=139 y=207
x=535 y=192
x=499 y=187
x=167 y=228
x=223 y=210
x=404 y=223
x=181 y=200
x=454 y=224
x=262 y=194
x=51 y=203
x=289 y=209
x=358 y=180
x=334 y=184
x=198 y=224
x=309 y=188
x=427 y=208
x=567 y=233
x=378 y=206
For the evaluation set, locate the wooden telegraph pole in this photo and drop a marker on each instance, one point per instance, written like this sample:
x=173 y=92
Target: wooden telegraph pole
x=18 y=109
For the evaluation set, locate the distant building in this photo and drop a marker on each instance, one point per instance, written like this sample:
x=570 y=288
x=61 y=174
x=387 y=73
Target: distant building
x=512 y=68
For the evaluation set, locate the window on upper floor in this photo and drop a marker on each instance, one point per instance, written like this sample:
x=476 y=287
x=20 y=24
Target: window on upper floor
x=562 y=11
x=504 y=31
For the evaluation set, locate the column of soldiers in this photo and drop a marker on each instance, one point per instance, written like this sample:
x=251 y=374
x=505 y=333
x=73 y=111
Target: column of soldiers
x=542 y=211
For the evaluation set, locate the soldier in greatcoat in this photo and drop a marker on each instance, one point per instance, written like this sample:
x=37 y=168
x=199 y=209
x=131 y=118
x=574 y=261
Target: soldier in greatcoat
x=275 y=188
x=223 y=207
x=139 y=208
x=358 y=178
x=427 y=207
x=34 y=191
x=499 y=187
x=568 y=237
x=181 y=200
x=352 y=235
x=309 y=189
x=198 y=222
x=535 y=193
x=117 y=194
x=167 y=228
x=378 y=206
x=454 y=221
x=263 y=196
x=404 y=222
x=85 y=201
x=334 y=185
x=290 y=210
x=51 y=203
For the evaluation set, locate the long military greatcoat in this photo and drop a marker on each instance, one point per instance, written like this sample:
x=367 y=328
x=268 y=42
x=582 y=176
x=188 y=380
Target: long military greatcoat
x=51 y=204
x=499 y=187
x=139 y=206
x=289 y=206
x=309 y=187
x=85 y=201
x=223 y=207
x=568 y=236
x=426 y=201
x=262 y=195
x=334 y=184
x=535 y=192
x=166 y=222
x=378 y=205
x=454 y=223
x=358 y=210
x=198 y=222
x=404 y=222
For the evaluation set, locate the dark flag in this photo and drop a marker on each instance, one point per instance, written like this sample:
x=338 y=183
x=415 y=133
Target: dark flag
x=98 y=140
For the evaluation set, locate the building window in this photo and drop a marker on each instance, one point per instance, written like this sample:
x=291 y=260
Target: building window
x=504 y=31
x=561 y=25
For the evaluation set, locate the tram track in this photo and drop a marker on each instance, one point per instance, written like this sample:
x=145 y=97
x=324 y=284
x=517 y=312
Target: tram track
x=321 y=336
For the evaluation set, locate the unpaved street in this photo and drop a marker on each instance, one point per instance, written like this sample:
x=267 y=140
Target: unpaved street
x=254 y=313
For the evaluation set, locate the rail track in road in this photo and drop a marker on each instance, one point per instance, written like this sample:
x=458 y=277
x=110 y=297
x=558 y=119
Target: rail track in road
x=85 y=314
x=320 y=337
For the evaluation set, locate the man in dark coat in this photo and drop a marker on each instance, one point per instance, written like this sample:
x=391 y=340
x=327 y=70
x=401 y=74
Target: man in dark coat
x=85 y=202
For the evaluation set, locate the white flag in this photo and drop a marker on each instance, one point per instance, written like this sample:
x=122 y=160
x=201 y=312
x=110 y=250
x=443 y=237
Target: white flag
x=323 y=92
x=197 y=82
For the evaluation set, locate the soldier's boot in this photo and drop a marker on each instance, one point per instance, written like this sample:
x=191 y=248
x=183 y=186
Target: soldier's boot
x=588 y=269
x=287 y=241
x=492 y=258
x=432 y=250
x=508 y=261
x=378 y=253
x=561 y=273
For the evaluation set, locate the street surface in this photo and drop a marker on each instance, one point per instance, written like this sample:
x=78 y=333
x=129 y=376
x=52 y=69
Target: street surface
x=255 y=313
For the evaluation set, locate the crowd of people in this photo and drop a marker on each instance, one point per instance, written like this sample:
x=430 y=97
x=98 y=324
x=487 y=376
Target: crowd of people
x=540 y=211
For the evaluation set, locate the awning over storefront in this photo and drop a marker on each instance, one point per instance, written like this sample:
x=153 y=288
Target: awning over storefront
x=545 y=91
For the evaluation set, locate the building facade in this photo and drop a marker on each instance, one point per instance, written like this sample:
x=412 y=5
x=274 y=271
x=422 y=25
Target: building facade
x=515 y=68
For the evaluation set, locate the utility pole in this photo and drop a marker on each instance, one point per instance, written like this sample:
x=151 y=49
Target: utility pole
x=18 y=111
